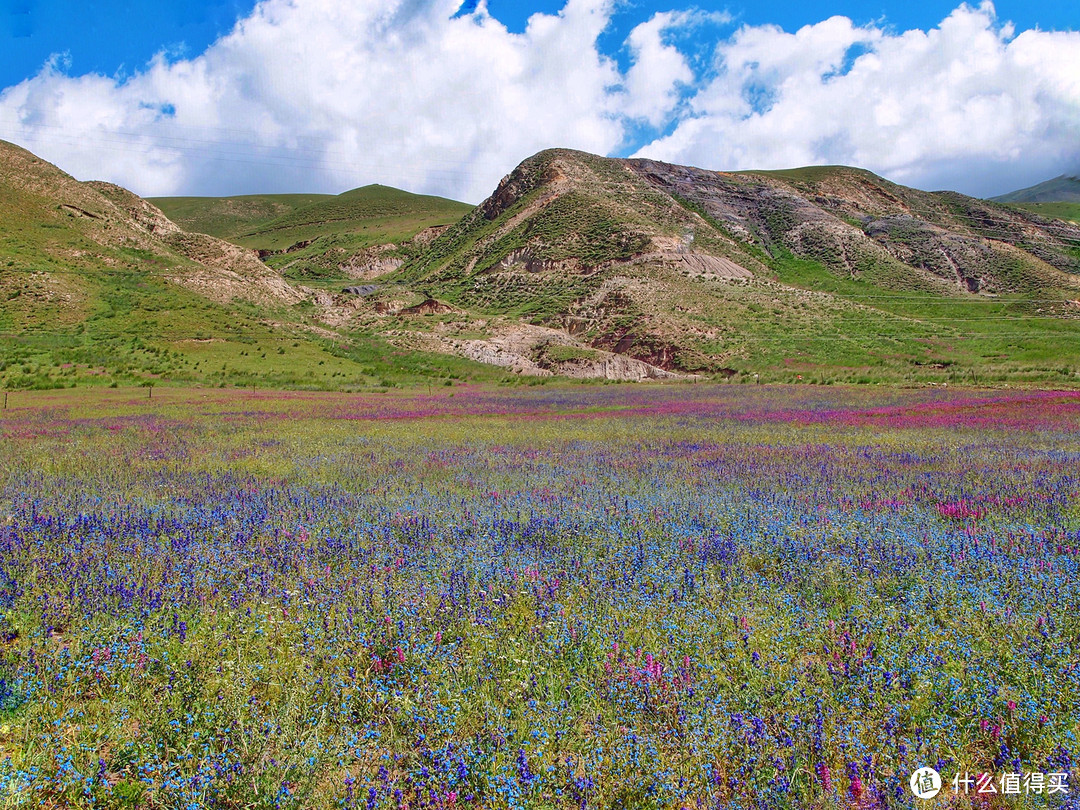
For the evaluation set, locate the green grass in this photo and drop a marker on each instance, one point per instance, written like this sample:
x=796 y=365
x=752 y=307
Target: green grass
x=225 y=217
x=554 y=353
x=970 y=337
x=813 y=174
x=308 y=237
x=1068 y=211
x=1058 y=189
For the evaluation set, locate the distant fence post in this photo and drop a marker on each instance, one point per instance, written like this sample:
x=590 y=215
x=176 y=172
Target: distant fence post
x=5 y=400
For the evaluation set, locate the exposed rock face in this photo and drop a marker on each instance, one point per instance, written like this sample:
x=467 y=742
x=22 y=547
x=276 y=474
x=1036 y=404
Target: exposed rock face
x=231 y=272
x=517 y=348
x=857 y=224
x=226 y=273
x=142 y=213
x=428 y=306
x=429 y=235
x=696 y=264
x=371 y=263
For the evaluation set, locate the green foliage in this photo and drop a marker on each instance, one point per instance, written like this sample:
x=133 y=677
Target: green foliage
x=555 y=353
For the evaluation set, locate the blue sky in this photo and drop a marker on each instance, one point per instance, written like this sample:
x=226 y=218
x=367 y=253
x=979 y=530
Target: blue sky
x=111 y=36
x=439 y=97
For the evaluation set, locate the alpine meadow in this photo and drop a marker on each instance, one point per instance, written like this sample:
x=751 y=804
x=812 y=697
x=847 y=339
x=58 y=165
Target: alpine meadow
x=718 y=456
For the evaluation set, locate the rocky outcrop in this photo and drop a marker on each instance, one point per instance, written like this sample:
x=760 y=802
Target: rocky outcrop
x=429 y=306
x=372 y=262
x=528 y=350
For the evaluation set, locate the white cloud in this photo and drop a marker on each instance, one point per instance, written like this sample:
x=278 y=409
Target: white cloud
x=652 y=82
x=318 y=94
x=323 y=95
x=962 y=105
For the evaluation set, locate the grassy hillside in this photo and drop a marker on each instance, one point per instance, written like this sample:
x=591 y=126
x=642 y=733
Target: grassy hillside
x=378 y=211
x=576 y=265
x=318 y=238
x=1059 y=189
x=1068 y=211
x=826 y=273
x=98 y=288
x=226 y=217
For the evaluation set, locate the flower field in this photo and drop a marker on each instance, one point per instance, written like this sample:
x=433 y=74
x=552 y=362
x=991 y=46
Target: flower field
x=568 y=597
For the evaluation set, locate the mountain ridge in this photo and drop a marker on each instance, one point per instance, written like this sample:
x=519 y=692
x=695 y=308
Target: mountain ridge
x=314 y=237
x=631 y=254
x=576 y=266
x=1063 y=188
x=98 y=286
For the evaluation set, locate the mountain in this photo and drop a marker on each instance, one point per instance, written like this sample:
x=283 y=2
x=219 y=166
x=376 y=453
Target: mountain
x=64 y=239
x=314 y=237
x=575 y=266
x=228 y=217
x=829 y=269
x=1055 y=199
x=98 y=285
x=1060 y=189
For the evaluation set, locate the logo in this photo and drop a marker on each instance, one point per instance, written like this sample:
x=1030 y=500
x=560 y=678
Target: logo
x=925 y=783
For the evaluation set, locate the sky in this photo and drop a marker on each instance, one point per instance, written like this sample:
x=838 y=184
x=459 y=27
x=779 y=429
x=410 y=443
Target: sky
x=221 y=97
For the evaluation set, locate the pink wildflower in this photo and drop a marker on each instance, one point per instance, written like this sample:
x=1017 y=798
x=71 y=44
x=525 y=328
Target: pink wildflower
x=825 y=775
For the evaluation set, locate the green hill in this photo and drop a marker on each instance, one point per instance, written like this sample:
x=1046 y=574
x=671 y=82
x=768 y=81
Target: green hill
x=1054 y=199
x=98 y=287
x=1068 y=211
x=319 y=237
x=577 y=265
x=226 y=217
x=829 y=272
x=1060 y=189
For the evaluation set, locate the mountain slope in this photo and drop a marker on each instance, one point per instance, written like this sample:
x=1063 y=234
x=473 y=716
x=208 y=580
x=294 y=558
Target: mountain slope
x=225 y=217
x=98 y=285
x=320 y=237
x=576 y=265
x=1055 y=199
x=66 y=234
x=692 y=270
x=1059 y=189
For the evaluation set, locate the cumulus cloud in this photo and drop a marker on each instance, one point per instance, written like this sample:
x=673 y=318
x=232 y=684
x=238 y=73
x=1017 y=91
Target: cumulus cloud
x=322 y=95
x=659 y=69
x=966 y=105
x=439 y=96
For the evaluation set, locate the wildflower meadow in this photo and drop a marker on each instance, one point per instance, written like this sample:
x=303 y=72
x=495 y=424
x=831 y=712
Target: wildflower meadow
x=687 y=596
